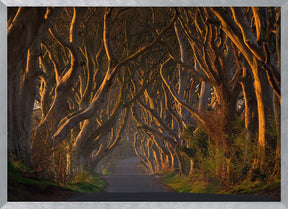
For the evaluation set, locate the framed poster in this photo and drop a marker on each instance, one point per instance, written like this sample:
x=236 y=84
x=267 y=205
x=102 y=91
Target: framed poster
x=143 y=204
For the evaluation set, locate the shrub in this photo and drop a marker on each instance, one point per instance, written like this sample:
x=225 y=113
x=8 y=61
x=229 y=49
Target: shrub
x=87 y=181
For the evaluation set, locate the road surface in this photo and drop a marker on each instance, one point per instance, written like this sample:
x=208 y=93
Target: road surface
x=129 y=177
x=129 y=183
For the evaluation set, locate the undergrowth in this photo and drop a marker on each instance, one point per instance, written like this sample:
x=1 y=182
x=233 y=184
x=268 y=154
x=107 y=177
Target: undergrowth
x=195 y=184
x=87 y=181
x=23 y=180
x=210 y=163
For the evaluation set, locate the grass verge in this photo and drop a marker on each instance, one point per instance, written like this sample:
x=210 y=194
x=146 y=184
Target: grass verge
x=196 y=185
x=87 y=181
x=187 y=184
x=24 y=185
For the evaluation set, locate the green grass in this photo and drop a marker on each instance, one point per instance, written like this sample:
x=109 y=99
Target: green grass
x=23 y=180
x=87 y=181
x=196 y=185
x=177 y=183
x=29 y=182
x=187 y=184
x=15 y=178
x=252 y=187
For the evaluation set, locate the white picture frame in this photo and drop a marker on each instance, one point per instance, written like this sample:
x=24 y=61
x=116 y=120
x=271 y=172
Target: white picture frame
x=141 y=205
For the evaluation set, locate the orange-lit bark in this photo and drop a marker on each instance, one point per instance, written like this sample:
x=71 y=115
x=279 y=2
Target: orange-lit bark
x=182 y=73
x=251 y=117
x=111 y=146
x=251 y=52
x=277 y=105
x=32 y=33
x=112 y=69
x=64 y=83
x=17 y=50
x=140 y=154
x=261 y=116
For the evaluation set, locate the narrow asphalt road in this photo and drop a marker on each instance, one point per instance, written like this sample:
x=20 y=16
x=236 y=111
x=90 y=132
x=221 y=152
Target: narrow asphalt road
x=129 y=177
x=129 y=183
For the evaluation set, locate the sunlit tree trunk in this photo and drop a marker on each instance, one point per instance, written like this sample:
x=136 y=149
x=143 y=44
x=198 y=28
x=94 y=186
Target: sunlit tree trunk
x=277 y=113
x=22 y=25
x=65 y=83
x=251 y=117
x=261 y=119
x=156 y=161
x=46 y=88
x=277 y=105
x=27 y=97
x=28 y=87
x=242 y=26
x=204 y=91
x=182 y=74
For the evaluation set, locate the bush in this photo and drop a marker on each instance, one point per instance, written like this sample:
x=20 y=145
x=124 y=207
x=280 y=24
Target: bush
x=210 y=161
x=20 y=177
x=87 y=181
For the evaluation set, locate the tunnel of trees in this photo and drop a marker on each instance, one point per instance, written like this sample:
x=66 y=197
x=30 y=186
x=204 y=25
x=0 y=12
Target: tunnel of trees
x=194 y=90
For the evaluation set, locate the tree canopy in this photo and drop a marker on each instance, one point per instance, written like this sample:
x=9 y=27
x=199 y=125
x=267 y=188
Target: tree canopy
x=196 y=90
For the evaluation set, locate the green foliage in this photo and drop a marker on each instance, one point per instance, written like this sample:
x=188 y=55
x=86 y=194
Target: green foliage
x=21 y=178
x=87 y=181
x=243 y=153
x=173 y=180
x=17 y=165
x=187 y=184
x=197 y=142
x=271 y=143
x=238 y=125
x=258 y=174
x=248 y=187
x=201 y=149
x=190 y=152
x=108 y=169
x=210 y=162
x=271 y=131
